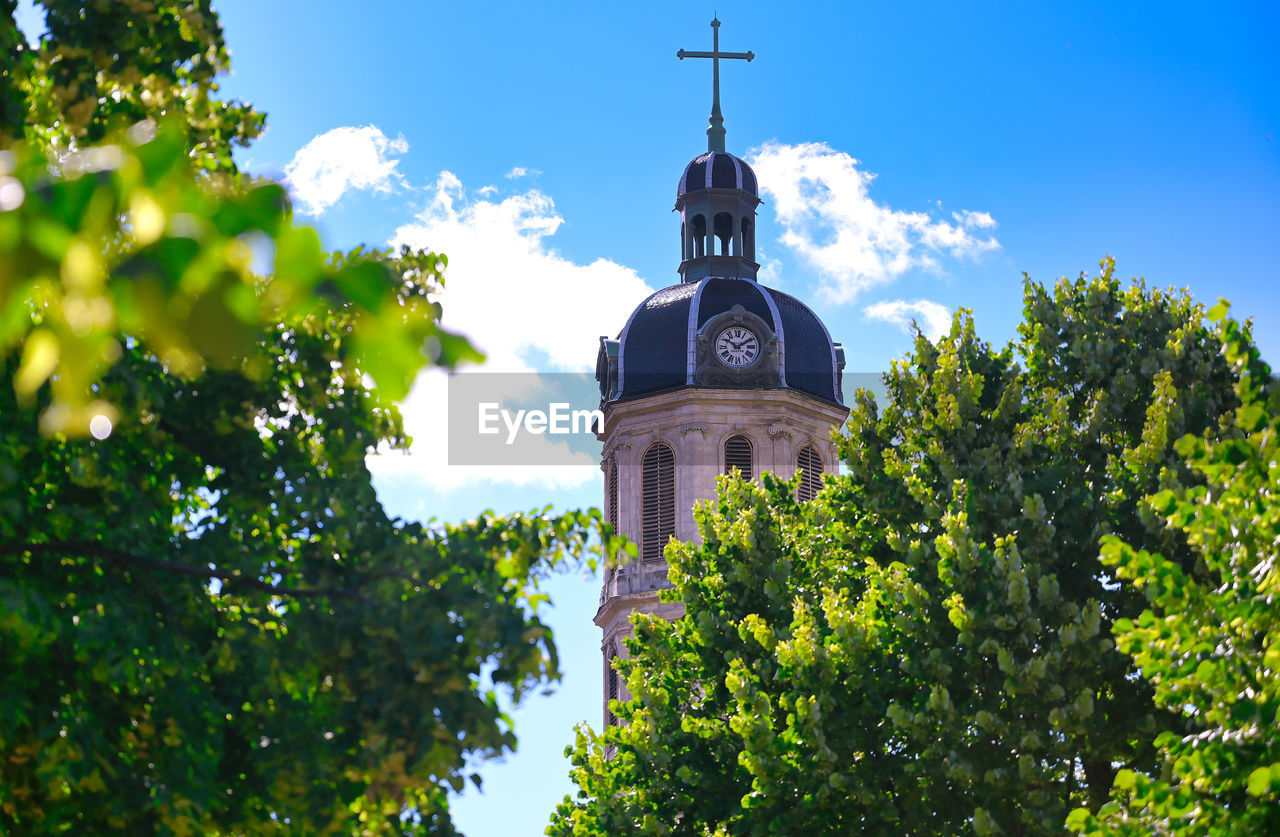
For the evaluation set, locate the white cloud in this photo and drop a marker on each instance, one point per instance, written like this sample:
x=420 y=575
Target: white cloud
x=521 y=171
x=770 y=272
x=828 y=218
x=525 y=305
x=509 y=290
x=932 y=318
x=974 y=220
x=341 y=160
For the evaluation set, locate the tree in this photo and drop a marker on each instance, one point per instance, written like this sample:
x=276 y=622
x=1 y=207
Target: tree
x=101 y=68
x=1210 y=643
x=924 y=648
x=208 y=622
x=211 y=626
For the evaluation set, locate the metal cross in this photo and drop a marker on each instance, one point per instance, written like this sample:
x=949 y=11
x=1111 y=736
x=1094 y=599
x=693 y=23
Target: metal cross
x=715 y=134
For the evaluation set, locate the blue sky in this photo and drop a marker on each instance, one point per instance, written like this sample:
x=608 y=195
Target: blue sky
x=914 y=158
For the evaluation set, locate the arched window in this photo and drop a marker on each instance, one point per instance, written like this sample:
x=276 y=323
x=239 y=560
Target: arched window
x=748 y=240
x=611 y=505
x=724 y=232
x=810 y=466
x=611 y=684
x=612 y=491
x=737 y=454
x=658 y=501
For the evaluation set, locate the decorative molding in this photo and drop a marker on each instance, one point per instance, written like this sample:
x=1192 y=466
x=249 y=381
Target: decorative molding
x=637 y=577
x=689 y=428
x=614 y=448
x=775 y=430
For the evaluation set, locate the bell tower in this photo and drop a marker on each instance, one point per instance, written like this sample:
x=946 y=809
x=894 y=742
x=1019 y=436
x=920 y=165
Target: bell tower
x=713 y=373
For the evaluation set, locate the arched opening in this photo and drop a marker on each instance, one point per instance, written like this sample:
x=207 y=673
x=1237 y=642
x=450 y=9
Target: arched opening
x=809 y=464
x=658 y=501
x=611 y=509
x=724 y=232
x=612 y=491
x=611 y=680
x=699 y=229
x=737 y=454
x=684 y=241
x=748 y=239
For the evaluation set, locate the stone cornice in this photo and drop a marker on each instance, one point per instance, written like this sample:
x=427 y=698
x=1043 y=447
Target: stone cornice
x=667 y=408
x=628 y=602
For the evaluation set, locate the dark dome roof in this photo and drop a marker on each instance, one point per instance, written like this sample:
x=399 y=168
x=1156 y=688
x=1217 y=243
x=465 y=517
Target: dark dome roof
x=717 y=170
x=656 y=347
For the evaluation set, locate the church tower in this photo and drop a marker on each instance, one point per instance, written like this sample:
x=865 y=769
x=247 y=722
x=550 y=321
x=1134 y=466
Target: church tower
x=712 y=373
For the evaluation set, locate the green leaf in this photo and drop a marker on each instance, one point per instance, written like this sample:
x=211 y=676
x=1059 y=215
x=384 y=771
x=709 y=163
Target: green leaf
x=1260 y=781
x=1078 y=819
x=1251 y=416
x=40 y=354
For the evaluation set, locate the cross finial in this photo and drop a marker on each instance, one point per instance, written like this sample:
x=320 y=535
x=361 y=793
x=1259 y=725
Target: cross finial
x=715 y=134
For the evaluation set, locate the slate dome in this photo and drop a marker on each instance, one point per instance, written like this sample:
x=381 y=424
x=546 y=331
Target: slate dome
x=717 y=170
x=656 y=350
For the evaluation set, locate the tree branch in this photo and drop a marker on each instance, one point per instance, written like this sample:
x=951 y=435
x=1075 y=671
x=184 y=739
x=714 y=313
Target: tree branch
x=129 y=559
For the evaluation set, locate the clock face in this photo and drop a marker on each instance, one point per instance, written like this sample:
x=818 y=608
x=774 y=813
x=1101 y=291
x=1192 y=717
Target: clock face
x=737 y=347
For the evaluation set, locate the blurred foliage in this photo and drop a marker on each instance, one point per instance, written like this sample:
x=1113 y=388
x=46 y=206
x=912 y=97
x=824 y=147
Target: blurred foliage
x=123 y=219
x=208 y=622
x=1210 y=642
x=926 y=647
x=122 y=244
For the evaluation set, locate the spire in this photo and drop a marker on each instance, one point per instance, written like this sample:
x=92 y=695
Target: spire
x=715 y=134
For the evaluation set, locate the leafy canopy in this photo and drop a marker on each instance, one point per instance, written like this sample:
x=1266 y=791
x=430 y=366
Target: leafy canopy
x=209 y=623
x=926 y=647
x=1210 y=642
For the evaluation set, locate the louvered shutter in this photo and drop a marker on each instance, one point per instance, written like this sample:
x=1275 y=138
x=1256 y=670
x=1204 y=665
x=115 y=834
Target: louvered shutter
x=658 y=513
x=811 y=479
x=737 y=454
x=613 y=492
x=611 y=678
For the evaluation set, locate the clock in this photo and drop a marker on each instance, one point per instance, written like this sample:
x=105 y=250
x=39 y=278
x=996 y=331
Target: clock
x=737 y=347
